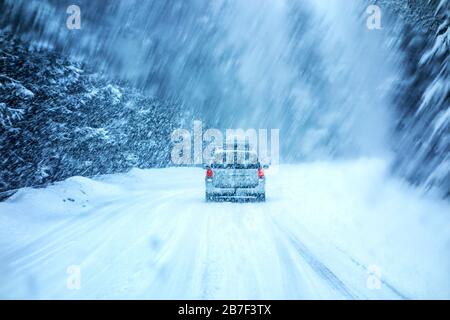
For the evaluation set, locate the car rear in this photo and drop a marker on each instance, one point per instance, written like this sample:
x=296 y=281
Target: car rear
x=235 y=179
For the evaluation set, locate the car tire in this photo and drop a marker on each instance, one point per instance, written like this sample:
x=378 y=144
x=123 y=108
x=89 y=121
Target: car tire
x=261 y=197
x=208 y=197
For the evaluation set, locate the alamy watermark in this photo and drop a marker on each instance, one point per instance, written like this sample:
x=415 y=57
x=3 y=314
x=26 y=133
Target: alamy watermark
x=73 y=281
x=374 y=277
x=73 y=21
x=198 y=147
x=373 y=22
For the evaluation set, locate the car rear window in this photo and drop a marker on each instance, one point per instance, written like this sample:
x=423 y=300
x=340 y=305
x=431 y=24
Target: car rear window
x=239 y=160
x=235 y=165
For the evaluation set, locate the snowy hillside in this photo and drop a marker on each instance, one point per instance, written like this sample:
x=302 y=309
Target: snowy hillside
x=326 y=231
x=58 y=120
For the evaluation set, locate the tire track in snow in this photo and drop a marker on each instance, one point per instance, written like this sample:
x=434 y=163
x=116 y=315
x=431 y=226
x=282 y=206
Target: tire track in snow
x=148 y=258
x=235 y=263
x=292 y=195
x=317 y=266
x=209 y=273
x=295 y=277
x=365 y=269
x=214 y=263
x=74 y=228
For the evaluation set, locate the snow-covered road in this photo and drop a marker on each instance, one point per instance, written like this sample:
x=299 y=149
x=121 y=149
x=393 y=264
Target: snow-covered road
x=328 y=230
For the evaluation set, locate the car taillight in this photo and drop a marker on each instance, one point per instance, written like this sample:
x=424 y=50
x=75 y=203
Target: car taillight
x=260 y=173
x=209 y=173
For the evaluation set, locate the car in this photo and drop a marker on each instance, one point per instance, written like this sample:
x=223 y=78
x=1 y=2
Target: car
x=235 y=175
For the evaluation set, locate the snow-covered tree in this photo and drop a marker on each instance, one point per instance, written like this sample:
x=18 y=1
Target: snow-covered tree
x=59 y=119
x=422 y=96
